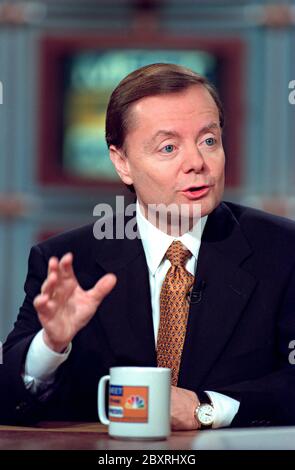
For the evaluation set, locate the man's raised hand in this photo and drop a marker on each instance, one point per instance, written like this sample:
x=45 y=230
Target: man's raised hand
x=63 y=307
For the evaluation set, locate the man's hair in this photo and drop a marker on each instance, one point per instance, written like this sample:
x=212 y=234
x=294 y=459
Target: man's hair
x=150 y=80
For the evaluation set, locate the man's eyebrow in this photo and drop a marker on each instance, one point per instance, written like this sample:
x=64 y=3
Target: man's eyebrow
x=165 y=133
x=209 y=127
x=161 y=133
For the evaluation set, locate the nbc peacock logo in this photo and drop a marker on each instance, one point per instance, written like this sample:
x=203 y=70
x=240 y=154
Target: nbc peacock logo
x=135 y=402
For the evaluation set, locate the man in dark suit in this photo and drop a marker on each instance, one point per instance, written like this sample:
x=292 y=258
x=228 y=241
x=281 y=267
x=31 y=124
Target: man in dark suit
x=164 y=132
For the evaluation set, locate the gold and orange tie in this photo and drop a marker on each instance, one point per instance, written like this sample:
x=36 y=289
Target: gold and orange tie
x=174 y=308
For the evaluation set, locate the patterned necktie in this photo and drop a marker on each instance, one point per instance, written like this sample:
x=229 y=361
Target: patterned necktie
x=174 y=308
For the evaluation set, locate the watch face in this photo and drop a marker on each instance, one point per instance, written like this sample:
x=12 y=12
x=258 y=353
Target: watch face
x=206 y=414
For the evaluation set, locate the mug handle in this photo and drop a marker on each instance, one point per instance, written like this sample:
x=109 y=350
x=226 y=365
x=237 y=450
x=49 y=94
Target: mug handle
x=101 y=400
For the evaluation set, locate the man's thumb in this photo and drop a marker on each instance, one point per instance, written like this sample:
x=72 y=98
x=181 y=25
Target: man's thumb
x=103 y=287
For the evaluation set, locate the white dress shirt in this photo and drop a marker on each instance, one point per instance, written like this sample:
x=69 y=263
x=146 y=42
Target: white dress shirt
x=39 y=374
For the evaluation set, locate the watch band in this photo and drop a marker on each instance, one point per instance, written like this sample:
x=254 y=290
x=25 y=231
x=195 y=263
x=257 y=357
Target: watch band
x=204 y=398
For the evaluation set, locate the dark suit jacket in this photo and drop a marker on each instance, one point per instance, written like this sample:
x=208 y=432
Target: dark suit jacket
x=239 y=328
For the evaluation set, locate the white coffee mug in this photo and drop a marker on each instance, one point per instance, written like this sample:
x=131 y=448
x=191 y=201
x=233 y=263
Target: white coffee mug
x=139 y=402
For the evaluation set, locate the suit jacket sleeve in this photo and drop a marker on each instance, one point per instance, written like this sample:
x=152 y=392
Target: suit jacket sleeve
x=269 y=400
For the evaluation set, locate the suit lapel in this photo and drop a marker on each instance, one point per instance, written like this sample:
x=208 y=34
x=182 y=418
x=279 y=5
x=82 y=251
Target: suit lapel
x=126 y=314
x=226 y=291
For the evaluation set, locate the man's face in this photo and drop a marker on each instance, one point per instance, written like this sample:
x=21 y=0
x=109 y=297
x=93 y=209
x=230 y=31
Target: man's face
x=173 y=150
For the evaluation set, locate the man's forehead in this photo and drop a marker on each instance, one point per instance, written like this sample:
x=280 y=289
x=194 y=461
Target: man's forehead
x=163 y=111
x=172 y=121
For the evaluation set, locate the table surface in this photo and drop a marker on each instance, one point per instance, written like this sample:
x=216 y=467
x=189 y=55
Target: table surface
x=83 y=436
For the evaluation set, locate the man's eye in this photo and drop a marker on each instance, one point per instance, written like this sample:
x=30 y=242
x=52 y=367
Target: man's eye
x=168 y=148
x=210 y=141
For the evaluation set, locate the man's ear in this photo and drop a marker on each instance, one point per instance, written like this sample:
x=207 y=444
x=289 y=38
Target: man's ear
x=120 y=162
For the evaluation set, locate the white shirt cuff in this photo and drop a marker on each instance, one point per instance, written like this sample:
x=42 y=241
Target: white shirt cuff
x=225 y=409
x=41 y=362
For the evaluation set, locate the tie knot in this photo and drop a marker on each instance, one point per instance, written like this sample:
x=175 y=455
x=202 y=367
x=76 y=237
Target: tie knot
x=177 y=254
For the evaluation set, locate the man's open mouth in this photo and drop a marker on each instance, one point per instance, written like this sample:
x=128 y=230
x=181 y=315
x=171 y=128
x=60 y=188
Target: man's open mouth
x=196 y=188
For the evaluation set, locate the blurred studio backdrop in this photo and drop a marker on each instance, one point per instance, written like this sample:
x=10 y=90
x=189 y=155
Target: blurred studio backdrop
x=59 y=61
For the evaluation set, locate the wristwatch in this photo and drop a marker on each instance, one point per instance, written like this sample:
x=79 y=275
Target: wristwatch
x=205 y=413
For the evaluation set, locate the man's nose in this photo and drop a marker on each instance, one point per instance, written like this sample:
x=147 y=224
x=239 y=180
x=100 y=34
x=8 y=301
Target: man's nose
x=193 y=160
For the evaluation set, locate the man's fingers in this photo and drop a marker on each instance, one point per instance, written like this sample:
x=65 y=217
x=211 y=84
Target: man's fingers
x=49 y=284
x=40 y=300
x=103 y=287
x=43 y=305
x=52 y=265
x=66 y=266
x=57 y=270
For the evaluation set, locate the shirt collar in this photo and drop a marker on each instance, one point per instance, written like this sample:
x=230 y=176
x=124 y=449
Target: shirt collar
x=156 y=243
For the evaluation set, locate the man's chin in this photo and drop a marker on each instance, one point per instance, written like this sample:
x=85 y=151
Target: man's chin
x=208 y=207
